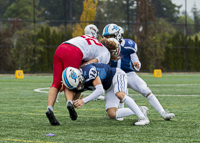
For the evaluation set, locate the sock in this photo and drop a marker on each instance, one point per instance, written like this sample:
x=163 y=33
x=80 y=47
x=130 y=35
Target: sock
x=133 y=106
x=121 y=105
x=50 y=107
x=57 y=95
x=155 y=103
x=124 y=112
x=70 y=102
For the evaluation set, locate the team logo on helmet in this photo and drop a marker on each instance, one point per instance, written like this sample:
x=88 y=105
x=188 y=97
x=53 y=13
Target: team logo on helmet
x=73 y=76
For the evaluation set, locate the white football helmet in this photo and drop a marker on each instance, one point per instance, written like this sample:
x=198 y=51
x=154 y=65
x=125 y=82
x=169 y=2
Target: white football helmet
x=111 y=29
x=91 y=30
x=118 y=50
x=121 y=32
x=73 y=79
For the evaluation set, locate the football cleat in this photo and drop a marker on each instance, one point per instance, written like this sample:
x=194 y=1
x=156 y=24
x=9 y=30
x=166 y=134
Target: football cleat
x=72 y=111
x=142 y=122
x=168 y=116
x=52 y=118
x=144 y=110
x=120 y=119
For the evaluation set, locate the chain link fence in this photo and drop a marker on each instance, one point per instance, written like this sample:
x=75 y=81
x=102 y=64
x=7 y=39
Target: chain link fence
x=29 y=44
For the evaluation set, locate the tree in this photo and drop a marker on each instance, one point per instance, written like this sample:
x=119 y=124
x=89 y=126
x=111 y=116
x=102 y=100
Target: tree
x=88 y=14
x=21 y=9
x=116 y=11
x=181 y=22
x=60 y=10
x=166 y=9
x=145 y=15
x=196 y=14
x=153 y=46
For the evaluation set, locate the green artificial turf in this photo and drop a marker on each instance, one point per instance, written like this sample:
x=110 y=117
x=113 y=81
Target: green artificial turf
x=23 y=119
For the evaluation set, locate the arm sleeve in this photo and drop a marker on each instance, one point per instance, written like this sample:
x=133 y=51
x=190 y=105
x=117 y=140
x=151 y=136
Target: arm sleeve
x=104 y=58
x=96 y=93
x=134 y=58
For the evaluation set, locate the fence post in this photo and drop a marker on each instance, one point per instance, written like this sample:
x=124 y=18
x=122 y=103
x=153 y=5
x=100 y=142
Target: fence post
x=127 y=1
x=34 y=42
x=186 y=44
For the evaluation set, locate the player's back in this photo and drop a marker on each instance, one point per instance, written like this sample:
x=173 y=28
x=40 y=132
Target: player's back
x=90 y=47
x=105 y=72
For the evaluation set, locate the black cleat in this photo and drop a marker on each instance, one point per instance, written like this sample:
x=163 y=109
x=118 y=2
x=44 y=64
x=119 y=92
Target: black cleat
x=52 y=118
x=72 y=111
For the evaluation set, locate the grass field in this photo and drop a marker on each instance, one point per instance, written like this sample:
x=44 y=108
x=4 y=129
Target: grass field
x=23 y=119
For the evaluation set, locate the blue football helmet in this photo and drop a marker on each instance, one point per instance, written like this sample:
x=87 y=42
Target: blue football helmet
x=73 y=79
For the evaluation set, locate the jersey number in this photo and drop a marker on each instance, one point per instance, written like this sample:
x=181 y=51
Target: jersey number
x=89 y=39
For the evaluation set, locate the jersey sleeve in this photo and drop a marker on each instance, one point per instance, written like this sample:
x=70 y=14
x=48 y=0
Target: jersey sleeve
x=134 y=58
x=131 y=46
x=90 y=72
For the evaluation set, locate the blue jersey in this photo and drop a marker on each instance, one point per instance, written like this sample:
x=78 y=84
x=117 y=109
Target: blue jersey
x=128 y=47
x=91 y=71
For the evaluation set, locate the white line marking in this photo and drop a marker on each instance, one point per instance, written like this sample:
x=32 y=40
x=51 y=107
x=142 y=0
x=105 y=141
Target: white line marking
x=87 y=93
x=174 y=85
x=40 y=90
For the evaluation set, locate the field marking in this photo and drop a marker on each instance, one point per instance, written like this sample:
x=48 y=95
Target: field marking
x=18 y=140
x=40 y=90
x=163 y=95
x=173 y=84
x=47 y=88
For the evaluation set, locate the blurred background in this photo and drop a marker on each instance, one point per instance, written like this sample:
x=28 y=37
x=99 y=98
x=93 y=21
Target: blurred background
x=167 y=31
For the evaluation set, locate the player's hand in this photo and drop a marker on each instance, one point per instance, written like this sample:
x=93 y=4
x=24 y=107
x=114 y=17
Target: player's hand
x=78 y=103
x=137 y=65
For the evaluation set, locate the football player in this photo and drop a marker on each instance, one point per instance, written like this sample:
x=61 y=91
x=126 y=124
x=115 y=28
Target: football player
x=129 y=57
x=71 y=53
x=99 y=77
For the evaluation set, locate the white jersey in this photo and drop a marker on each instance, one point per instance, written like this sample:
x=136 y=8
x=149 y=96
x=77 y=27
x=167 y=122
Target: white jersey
x=91 y=48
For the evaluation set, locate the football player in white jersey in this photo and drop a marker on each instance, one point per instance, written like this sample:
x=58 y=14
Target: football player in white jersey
x=128 y=53
x=72 y=53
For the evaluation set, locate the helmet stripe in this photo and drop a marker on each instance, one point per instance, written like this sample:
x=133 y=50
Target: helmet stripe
x=66 y=81
x=106 y=30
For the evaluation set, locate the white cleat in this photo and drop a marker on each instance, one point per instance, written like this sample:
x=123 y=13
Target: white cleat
x=142 y=122
x=120 y=119
x=168 y=116
x=144 y=110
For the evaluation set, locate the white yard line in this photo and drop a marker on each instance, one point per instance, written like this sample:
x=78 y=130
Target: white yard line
x=46 y=90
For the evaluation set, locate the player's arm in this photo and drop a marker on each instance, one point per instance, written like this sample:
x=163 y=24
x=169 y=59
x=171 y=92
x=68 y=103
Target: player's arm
x=136 y=62
x=99 y=90
x=95 y=60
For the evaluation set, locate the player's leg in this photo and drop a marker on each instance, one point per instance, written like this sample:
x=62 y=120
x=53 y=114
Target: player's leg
x=53 y=91
x=71 y=58
x=120 y=86
x=121 y=106
x=112 y=104
x=139 y=85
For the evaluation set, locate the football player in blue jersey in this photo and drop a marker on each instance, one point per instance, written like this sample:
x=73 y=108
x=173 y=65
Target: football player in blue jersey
x=129 y=57
x=99 y=77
